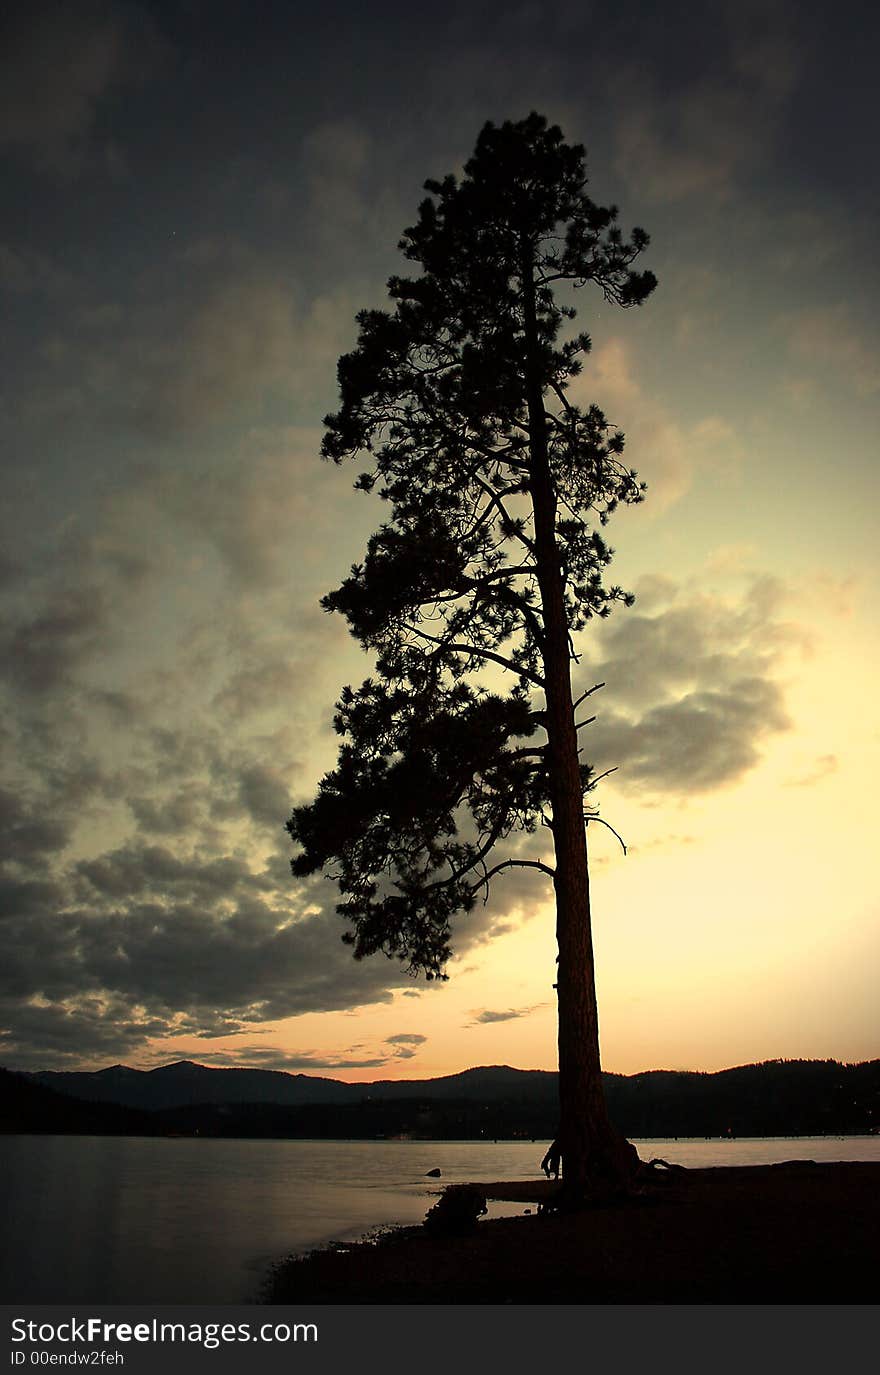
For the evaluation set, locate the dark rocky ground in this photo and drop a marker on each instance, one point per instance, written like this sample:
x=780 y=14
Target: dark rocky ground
x=799 y=1233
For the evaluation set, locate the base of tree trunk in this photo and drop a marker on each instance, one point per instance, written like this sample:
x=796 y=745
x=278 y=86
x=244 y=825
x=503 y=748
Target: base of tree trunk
x=613 y=1171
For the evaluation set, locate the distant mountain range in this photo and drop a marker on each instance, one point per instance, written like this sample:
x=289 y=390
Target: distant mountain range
x=185 y=1083
x=776 y=1098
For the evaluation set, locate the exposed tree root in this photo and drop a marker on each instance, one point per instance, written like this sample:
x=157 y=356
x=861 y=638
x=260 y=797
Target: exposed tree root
x=619 y=1174
x=657 y=1166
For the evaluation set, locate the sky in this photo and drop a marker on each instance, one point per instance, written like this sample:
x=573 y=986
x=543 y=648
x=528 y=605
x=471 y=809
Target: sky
x=197 y=197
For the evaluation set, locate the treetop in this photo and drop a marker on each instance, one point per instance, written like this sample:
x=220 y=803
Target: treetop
x=457 y=398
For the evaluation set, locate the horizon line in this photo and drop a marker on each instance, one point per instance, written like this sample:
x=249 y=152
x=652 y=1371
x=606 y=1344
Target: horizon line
x=451 y=1074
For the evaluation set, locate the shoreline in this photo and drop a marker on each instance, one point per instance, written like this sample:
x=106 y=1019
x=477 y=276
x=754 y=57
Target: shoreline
x=793 y=1233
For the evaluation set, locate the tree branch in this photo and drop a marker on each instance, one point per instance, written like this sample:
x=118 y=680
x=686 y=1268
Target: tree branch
x=600 y=776
x=520 y=670
x=563 y=398
x=529 y=613
x=495 y=500
x=584 y=695
x=511 y=864
x=588 y=816
x=474 y=584
x=522 y=864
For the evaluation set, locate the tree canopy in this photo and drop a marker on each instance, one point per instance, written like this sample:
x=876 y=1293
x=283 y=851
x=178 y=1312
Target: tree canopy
x=492 y=557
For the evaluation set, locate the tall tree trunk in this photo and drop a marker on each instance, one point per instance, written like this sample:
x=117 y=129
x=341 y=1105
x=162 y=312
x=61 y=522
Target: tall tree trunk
x=595 y=1157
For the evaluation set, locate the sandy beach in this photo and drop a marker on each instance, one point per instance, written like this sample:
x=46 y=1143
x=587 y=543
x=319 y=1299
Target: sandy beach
x=796 y=1233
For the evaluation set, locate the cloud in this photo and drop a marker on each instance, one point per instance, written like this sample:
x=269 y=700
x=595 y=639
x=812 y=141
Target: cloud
x=665 y=452
x=195 y=338
x=42 y=649
x=692 y=693
x=181 y=949
x=829 y=338
x=697 y=744
x=702 y=131
x=265 y=793
x=222 y=345
x=264 y=516
x=26 y=834
x=292 y=1062
x=822 y=767
x=160 y=716
x=510 y=1014
x=145 y=889
x=26 y=272
x=336 y=157
x=155 y=940
x=61 y=63
x=151 y=753
x=192 y=924
x=171 y=815
x=661 y=842
x=36 y=1033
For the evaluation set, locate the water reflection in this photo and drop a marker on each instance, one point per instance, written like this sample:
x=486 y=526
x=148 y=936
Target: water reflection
x=147 y=1220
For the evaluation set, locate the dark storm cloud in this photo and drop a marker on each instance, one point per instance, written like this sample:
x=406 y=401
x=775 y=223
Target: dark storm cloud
x=171 y=815
x=63 y=616
x=220 y=303
x=195 y=940
x=172 y=968
x=140 y=869
x=101 y=1029
x=26 y=834
x=173 y=945
x=170 y=938
x=40 y=652
x=259 y=687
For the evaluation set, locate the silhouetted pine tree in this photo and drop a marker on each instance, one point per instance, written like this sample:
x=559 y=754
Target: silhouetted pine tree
x=490 y=562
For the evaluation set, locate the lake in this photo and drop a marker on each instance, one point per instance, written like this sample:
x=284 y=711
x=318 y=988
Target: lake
x=90 y=1219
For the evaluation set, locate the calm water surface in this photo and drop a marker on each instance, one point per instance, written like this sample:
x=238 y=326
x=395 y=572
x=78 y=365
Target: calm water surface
x=180 y=1220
